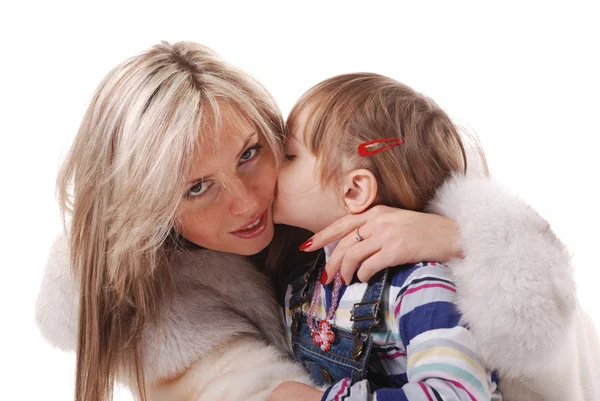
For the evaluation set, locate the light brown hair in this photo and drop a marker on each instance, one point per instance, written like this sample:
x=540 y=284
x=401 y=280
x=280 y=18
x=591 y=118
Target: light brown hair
x=122 y=184
x=337 y=115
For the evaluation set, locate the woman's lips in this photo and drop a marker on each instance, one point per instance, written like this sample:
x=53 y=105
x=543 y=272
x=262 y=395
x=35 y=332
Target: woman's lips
x=257 y=227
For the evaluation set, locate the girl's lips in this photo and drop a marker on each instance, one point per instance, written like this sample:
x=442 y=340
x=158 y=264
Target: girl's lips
x=256 y=230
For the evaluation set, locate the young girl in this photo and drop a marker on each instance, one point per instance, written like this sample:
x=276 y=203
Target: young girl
x=372 y=140
x=375 y=141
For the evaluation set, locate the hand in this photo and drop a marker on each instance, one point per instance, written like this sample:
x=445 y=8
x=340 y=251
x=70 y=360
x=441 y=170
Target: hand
x=295 y=391
x=390 y=237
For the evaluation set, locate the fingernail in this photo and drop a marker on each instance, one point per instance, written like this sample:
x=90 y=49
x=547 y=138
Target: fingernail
x=344 y=281
x=306 y=245
x=324 y=277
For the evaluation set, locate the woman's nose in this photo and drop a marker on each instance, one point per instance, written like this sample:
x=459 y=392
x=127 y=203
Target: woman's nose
x=243 y=199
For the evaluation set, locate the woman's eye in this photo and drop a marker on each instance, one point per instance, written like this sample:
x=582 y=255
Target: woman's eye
x=290 y=157
x=250 y=153
x=200 y=188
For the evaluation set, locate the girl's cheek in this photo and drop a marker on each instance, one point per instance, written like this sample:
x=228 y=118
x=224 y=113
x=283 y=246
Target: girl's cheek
x=286 y=183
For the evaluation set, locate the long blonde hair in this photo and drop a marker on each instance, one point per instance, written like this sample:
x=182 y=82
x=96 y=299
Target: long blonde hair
x=122 y=183
x=338 y=114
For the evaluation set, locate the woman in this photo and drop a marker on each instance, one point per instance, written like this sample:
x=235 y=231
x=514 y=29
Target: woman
x=179 y=150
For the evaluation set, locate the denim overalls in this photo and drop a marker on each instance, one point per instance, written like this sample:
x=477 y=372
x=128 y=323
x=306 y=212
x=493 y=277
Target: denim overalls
x=349 y=353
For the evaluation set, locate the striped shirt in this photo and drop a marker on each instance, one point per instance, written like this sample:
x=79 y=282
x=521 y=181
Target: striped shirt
x=421 y=352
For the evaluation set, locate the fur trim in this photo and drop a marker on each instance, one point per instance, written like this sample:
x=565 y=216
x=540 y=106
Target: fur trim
x=230 y=373
x=515 y=285
x=57 y=305
x=217 y=296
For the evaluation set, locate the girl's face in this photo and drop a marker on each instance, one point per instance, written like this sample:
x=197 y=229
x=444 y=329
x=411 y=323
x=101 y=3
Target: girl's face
x=301 y=200
x=227 y=206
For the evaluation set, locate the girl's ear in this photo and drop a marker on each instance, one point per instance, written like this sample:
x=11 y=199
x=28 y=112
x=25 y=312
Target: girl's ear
x=360 y=190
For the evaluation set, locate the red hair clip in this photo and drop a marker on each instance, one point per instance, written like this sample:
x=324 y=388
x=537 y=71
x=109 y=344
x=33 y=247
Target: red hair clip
x=370 y=148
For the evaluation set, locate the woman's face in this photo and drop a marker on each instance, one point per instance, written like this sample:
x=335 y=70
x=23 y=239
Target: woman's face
x=230 y=191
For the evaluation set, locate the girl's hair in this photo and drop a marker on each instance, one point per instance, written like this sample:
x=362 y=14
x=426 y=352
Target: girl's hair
x=337 y=115
x=123 y=182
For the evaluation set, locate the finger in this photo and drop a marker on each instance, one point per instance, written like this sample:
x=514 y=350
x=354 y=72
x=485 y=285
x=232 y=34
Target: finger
x=338 y=229
x=335 y=259
x=355 y=255
x=373 y=265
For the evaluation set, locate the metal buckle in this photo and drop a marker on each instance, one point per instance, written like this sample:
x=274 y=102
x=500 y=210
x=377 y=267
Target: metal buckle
x=361 y=319
x=306 y=277
x=303 y=297
x=358 y=345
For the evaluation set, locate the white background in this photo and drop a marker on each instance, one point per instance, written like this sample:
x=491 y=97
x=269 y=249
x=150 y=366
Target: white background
x=523 y=76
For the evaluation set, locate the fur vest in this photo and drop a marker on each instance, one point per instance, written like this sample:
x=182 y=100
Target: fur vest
x=222 y=324
x=515 y=290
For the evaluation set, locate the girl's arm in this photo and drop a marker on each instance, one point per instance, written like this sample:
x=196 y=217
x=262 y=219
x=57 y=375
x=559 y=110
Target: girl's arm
x=442 y=361
x=514 y=278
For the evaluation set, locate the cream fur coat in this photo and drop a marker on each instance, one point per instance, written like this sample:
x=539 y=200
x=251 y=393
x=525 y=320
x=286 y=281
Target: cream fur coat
x=224 y=336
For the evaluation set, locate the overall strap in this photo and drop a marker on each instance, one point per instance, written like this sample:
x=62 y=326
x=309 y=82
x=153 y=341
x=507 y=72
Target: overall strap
x=302 y=290
x=365 y=314
x=303 y=285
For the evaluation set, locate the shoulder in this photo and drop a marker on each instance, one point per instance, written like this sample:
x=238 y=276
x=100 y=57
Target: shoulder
x=422 y=299
x=215 y=269
x=422 y=289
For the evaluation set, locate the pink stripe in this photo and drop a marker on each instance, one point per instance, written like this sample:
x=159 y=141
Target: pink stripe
x=421 y=287
x=413 y=290
x=342 y=390
x=397 y=308
x=457 y=384
x=424 y=388
x=392 y=356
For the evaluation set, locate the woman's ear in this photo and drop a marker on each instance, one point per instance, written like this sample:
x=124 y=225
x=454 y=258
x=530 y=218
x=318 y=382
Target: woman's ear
x=360 y=190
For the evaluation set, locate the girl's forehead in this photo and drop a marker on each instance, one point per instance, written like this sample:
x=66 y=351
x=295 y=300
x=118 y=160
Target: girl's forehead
x=299 y=129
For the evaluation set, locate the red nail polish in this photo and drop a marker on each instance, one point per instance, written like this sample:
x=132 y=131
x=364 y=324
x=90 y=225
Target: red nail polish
x=324 y=277
x=306 y=245
x=344 y=281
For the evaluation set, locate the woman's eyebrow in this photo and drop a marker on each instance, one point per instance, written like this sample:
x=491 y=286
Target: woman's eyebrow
x=246 y=142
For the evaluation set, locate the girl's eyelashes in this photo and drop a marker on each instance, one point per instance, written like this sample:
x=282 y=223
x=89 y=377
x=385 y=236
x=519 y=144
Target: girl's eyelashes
x=199 y=188
x=250 y=153
x=289 y=157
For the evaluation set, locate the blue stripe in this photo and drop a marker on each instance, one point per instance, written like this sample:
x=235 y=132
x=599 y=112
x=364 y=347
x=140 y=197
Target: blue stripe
x=326 y=394
x=382 y=380
x=401 y=273
x=329 y=293
x=430 y=316
x=438 y=397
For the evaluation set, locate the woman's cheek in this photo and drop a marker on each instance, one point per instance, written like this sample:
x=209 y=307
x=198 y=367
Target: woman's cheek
x=268 y=176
